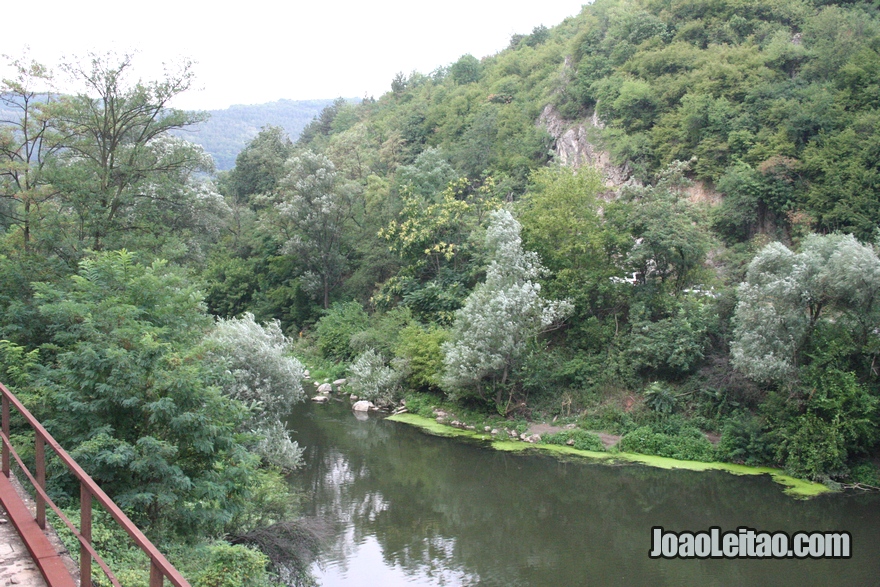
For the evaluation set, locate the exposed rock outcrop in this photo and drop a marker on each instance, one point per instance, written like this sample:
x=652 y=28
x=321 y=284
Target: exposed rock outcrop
x=574 y=148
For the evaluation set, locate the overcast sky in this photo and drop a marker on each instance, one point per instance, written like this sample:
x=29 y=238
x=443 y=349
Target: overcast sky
x=262 y=51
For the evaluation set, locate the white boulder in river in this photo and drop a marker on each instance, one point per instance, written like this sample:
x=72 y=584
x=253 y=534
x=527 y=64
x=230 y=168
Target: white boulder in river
x=363 y=406
x=325 y=388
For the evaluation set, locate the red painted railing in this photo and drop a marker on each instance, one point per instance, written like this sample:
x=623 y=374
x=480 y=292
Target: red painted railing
x=160 y=568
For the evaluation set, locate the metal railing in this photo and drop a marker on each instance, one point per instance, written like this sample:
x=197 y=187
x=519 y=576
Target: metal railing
x=160 y=568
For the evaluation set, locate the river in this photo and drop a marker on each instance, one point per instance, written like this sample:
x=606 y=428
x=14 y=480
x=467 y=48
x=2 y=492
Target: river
x=407 y=508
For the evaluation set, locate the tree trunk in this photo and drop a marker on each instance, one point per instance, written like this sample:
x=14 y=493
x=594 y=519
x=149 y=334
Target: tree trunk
x=27 y=224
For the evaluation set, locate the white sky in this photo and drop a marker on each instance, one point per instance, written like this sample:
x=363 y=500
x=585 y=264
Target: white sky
x=258 y=51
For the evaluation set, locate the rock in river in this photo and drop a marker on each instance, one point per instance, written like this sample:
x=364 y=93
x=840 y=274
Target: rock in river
x=363 y=406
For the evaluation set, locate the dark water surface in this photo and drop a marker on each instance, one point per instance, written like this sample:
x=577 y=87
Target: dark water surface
x=406 y=508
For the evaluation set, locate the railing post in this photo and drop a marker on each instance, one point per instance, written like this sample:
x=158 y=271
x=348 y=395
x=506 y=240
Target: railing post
x=5 y=424
x=40 y=458
x=160 y=568
x=85 y=528
x=156 y=578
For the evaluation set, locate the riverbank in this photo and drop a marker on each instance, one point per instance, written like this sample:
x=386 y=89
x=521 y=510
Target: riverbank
x=794 y=487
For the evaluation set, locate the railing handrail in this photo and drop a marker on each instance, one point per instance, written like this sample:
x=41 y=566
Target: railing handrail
x=160 y=568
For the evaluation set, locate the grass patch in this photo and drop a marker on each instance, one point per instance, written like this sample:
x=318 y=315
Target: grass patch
x=435 y=428
x=425 y=404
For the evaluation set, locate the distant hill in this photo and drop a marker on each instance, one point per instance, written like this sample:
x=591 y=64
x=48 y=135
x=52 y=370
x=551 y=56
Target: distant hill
x=228 y=131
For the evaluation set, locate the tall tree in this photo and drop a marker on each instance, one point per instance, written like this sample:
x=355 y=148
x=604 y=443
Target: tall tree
x=260 y=165
x=28 y=142
x=316 y=210
x=492 y=331
x=122 y=163
x=832 y=284
x=131 y=397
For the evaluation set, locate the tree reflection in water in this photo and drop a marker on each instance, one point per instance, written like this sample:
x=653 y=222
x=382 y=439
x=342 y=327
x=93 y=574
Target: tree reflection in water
x=413 y=509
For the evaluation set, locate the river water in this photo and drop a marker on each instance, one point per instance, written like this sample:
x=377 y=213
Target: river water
x=406 y=508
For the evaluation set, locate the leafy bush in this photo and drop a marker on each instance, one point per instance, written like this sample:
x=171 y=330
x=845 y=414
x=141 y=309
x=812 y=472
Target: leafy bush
x=579 y=439
x=673 y=345
x=383 y=331
x=834 y=419
x=420 y=404
x=216 y=564
x=501 y=316
x=659 y=397
x=276 y=447
x=134 y=400
x=335 y=329
x=231 y=565
x=688 y=445
x=270 y=501
x=128 y=563
x=743 y=440
x=16 y=364
x=253 y=366
x=813 y=448
x=421 y=349
x=865 y=472
x=257 y=364
x=611 y=419
x=371 y=379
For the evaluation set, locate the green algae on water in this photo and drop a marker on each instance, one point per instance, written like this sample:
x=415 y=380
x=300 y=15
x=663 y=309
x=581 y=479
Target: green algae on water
x=795 y=487
x=437 y=429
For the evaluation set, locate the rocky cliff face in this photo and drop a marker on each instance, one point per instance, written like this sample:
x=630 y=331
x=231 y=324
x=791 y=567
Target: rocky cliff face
x=573 y=146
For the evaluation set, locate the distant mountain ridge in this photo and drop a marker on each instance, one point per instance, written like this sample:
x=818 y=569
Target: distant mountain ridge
x=227 y=132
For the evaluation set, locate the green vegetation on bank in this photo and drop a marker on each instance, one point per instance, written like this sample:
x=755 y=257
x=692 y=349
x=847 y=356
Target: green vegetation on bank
x=793 y=486
x=700 y=281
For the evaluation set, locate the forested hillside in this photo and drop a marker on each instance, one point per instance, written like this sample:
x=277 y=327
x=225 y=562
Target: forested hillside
x=226 y=132
x=655 y=220
x=695 y=179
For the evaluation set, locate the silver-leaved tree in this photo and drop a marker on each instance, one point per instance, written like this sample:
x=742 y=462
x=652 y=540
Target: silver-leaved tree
x=806 y=326
x=492 y=332
x=832 y=282
x=255 y=366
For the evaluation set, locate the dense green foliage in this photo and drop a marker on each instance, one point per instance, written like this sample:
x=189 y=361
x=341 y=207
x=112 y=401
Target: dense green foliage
x=737 y=124
x=713 y=272
x=579 y=439
x=492 y=331
x=108 y=338
x=130 y=398
x=688 y=444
